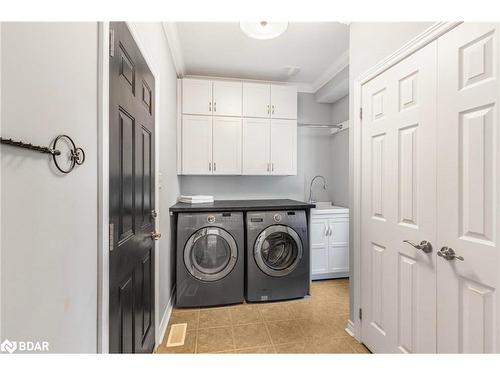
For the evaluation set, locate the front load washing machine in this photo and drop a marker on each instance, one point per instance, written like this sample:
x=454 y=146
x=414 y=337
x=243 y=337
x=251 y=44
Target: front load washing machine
x=210 y=259
x=277 y=255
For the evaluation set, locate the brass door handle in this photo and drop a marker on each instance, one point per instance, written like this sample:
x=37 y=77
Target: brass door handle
x=155 y=235
x=425 y=246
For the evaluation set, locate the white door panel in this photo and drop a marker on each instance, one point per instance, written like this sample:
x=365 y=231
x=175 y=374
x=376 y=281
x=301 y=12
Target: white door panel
x=227 y=99
x=196 y=144
x=319 y=246
x=338 y=258
x=283 y=102
x=256 y=100
x=283 y=147
x=256 y=146
x=468 y=189
x=196 y=96
x=226 y=145
x=398 y=203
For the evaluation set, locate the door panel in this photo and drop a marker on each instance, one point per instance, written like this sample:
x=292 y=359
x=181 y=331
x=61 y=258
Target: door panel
x=283 y=102
x=256 y=100
x=196 y=144
x=226 y=145
x=283 y=147
x=227 y=98
x=319 y=247
x=398 y=203
x=256 y=146
x=338 y=258
x=131 y=170
x=196 y=96
x=468 y=189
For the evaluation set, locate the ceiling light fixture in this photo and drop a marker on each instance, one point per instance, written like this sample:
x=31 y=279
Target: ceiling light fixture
x=263 y=30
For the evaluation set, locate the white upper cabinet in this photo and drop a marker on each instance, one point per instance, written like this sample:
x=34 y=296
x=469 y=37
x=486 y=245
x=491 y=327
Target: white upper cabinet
x=256 y=146
x=256 y=99
x=234 y=127
x=227 y=98
x=196 y=96
x=196 y=144
x=283 y=147
x=226 y=146
x=283 y=102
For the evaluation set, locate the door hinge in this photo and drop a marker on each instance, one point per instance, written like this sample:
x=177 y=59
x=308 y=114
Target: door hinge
x=360 y=314
x=111 y=42
x=361 y=113
x=111 y=237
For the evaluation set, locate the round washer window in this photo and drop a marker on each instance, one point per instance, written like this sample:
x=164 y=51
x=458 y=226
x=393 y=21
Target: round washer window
x=278 y=250
x=210 y=254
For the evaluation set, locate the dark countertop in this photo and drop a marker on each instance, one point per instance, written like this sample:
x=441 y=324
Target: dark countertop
x=242 y=205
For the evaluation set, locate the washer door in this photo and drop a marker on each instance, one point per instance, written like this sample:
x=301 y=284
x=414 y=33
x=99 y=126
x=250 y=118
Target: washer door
x=210 y=254
x=278 y=250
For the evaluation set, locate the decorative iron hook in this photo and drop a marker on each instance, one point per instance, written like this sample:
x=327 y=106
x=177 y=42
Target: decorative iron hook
x=77 y=155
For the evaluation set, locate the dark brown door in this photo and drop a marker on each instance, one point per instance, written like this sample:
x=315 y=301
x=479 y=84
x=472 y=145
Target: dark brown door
x=131 y=196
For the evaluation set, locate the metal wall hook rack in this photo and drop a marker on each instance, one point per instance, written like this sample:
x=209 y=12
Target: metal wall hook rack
x=76 y=157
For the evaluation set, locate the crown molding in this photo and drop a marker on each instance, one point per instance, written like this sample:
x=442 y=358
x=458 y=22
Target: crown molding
x=335 y=68
x=172 y=34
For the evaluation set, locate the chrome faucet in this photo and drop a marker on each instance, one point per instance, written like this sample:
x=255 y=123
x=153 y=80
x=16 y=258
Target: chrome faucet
x=310 y=187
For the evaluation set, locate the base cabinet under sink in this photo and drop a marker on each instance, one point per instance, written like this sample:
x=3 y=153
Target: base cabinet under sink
x=329 y=243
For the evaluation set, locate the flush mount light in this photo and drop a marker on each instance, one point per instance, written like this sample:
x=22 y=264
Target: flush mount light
x=263 y=29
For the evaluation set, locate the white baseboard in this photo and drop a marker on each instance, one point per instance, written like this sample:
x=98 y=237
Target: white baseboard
x=350 y=327
x=166 y=318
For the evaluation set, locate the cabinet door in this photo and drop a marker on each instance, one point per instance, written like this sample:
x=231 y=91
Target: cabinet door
x=196 y=96
x=196 y=144
x=227 y=98
x=256 y=144
x=338 y=246
x=226 y=145
x=319 y=247
x=256 y=100
x=283 y=147
x=283 y=102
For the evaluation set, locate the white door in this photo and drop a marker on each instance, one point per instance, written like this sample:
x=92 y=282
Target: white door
x=226 y=146
x=338 y=246
x=283 y=147
x=256 y=100
x=319 y=247
x=256 y=146
x=196 y=96
x=398 y=203
x=469 y=189
x=283 y=102
x=227 y=98
x=196 y=144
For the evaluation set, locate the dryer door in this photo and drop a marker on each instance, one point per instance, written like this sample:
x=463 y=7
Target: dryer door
x=278 y=250
x=210 y=254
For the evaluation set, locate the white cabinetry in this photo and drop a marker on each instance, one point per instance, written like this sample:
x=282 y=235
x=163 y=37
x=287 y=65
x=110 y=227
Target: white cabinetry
x=269 y=147
x=235 y=127
x=205 y=97
x=329 y=243
x=257 y=100
x=226 y=145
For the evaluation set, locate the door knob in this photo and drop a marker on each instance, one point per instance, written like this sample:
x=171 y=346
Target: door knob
x=155 y=235
x=425 y=246
x=449 y=254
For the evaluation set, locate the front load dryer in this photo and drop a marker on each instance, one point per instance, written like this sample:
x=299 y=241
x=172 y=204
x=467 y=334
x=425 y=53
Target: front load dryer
x=210 y=259
x=277 y=255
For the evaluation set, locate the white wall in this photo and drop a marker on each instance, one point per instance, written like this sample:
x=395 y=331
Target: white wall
x=339 y=156
x=49 y=221
x=313 y=155
x=154 y=41
x=370 y=42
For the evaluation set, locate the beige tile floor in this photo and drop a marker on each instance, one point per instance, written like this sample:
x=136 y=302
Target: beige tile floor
x=315 y=324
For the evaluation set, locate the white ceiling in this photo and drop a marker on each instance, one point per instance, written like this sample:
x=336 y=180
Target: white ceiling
x=320 y=49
